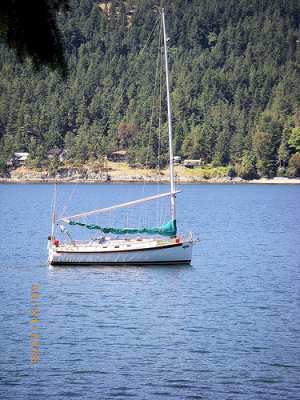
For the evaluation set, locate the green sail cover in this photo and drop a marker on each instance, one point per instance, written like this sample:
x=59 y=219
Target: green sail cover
x=166 y=230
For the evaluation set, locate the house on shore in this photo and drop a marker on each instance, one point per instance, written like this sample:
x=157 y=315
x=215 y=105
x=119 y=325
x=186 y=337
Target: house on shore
x=119 y=156
x=192 y=163
x=18 y=160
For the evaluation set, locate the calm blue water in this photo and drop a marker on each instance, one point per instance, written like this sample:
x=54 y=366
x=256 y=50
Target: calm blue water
x=226 y=327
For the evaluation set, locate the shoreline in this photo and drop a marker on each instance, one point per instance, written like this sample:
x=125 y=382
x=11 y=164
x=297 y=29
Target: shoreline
x=19 y=176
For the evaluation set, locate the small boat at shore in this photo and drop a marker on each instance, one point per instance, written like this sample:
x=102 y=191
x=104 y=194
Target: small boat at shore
x=151 y=245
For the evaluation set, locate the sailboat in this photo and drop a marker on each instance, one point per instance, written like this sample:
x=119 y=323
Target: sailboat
x=151 y=245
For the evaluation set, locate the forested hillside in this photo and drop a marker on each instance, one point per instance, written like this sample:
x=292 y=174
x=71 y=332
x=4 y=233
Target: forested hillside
x=234 y=74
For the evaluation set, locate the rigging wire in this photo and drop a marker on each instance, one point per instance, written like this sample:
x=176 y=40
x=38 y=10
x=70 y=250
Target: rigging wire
x=67 y=202
x=157 y=77
x=160 y=109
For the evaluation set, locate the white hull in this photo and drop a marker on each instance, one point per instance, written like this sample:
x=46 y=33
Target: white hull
x=120 y=252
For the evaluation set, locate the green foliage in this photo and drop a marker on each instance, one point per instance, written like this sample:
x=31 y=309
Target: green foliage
x=247 y=170
x=233 y=75
x=53 y=165
x=3 y=167
x=36 y=158
x=294 y=141
x=283 y=155
x=263 y=146
x=294 y=165
x=208 y=171
x=232 y=172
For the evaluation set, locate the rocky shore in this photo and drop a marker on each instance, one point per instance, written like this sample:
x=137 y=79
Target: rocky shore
x=88 y=176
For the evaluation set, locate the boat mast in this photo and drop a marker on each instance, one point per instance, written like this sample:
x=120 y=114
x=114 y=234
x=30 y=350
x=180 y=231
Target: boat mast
x=172 y=180
x=54 y=206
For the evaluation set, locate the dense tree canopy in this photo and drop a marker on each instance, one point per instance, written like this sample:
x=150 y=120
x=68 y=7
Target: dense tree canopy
x=234 y=72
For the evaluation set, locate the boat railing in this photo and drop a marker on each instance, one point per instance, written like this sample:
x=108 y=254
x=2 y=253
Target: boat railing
x=185 y=236
x=77 y=242
x=96 y=241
